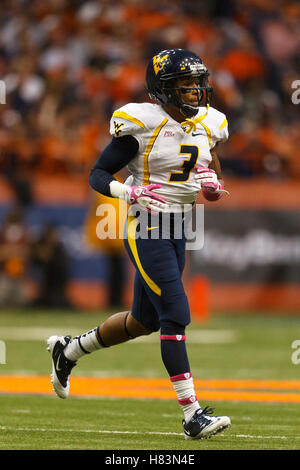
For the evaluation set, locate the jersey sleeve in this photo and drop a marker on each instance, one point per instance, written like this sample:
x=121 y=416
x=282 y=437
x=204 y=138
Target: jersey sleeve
x=222 y=132
x=127 y=121
x=218 y=126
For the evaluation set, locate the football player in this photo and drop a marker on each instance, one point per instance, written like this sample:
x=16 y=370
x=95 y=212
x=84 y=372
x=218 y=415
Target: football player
x=169 y=148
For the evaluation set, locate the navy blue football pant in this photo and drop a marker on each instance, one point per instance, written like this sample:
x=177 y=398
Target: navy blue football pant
x=159 y=299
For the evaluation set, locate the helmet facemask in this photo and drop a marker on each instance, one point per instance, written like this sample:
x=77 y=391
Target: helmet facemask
x=174 y=94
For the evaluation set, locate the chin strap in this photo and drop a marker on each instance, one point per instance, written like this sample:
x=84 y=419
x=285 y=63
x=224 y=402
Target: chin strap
x=192 y=123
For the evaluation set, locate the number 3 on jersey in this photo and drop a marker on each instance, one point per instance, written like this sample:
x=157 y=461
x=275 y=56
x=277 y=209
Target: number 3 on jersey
x=187 y=165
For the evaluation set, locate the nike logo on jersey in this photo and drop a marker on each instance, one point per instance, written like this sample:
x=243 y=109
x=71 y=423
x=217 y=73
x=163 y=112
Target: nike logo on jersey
x=196 y=133
x=151 y=228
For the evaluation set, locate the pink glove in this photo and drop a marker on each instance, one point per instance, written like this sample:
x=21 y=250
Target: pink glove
x=212 y=188
x=145 y=197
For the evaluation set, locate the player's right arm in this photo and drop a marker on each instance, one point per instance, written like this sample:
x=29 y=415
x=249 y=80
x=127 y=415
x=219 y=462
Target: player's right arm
x=114 y=157
x=120 y=151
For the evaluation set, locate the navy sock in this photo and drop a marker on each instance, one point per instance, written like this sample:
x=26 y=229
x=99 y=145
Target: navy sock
x=174 y=354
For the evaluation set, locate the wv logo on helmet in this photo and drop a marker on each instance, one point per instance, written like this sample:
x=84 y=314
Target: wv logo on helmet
x=157 y=63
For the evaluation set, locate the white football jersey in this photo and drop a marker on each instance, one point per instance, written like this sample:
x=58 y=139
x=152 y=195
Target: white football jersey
x=168 y=150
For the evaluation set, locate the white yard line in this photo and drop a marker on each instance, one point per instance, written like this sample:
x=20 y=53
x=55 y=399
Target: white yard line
x=97 y=431
x=143 y=433
x=249 y=436
x=25 y=333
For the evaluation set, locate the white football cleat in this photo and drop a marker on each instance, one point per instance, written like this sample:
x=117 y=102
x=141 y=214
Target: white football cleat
x=61 y=366
x=202 y=425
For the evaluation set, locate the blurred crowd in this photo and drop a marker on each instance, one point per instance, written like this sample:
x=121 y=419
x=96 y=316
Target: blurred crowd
x=42 y=259
x=67 y=64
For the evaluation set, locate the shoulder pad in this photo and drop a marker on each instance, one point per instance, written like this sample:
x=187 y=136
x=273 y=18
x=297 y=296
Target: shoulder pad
x=216 y=125
x=133 y=119
x=125 y=121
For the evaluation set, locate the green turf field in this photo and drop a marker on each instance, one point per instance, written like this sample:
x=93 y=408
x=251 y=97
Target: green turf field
x=224 y=347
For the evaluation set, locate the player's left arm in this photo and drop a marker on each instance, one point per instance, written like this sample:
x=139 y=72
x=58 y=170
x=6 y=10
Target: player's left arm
x=211 y=180
x=215 y=163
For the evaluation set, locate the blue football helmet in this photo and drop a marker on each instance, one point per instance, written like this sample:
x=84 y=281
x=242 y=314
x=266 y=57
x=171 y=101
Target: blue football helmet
x=170 y=64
